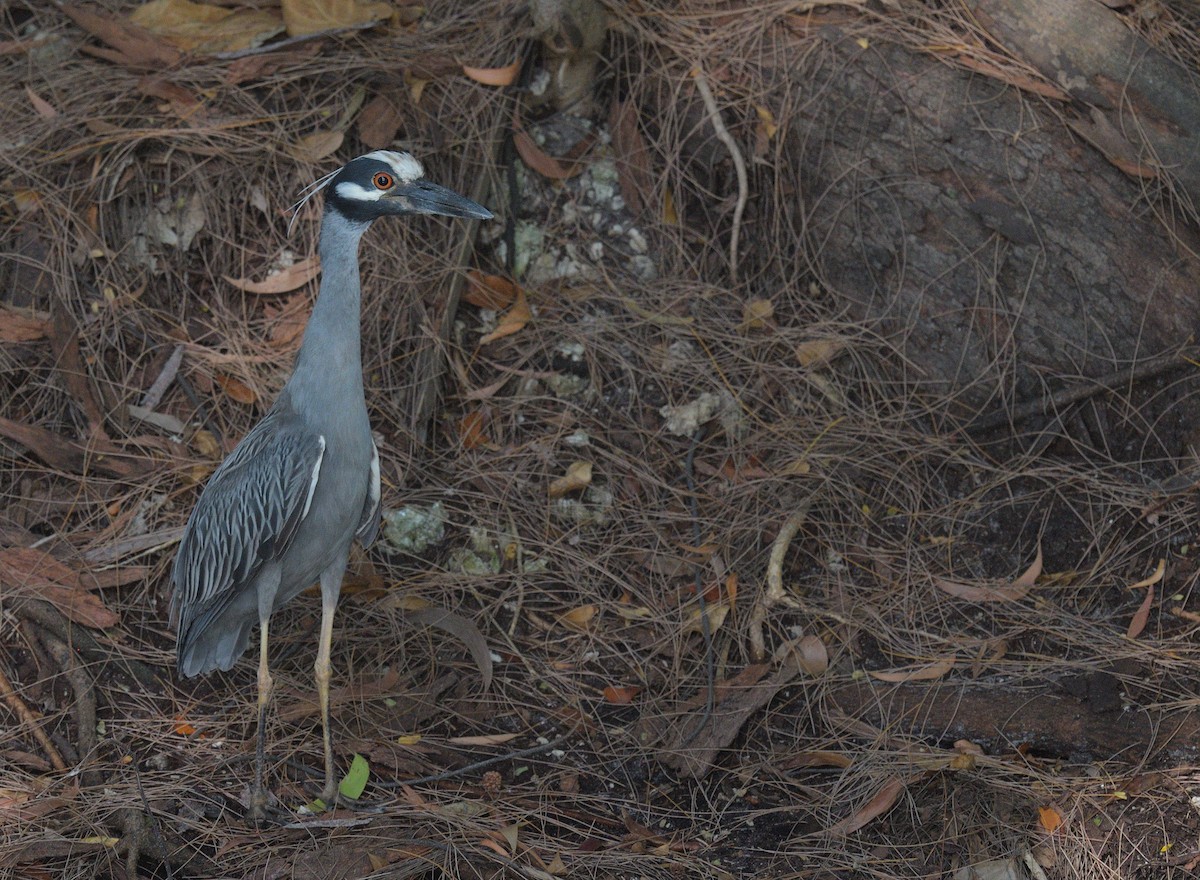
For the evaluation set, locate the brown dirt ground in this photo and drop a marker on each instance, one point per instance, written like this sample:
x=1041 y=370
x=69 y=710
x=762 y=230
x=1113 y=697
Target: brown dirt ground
x=891 y=730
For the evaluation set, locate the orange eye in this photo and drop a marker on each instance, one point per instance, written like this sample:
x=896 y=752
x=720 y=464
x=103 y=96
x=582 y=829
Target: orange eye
x=382 y=180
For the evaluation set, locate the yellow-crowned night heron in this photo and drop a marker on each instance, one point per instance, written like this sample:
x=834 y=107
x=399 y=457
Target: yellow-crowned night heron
x=281 y=511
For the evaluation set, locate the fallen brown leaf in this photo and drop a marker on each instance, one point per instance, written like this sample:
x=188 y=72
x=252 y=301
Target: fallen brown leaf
x=818 y=352
x=471 y=430
x=37 y=574
x=494 y=76
x=287 y=321
x=490 y=291
x=578 y=618
x=132 y=46
x=514 y=320
x=204 y=28
x=465 y=631
x=812 y=655
x=236 y=389
x=41 y=106
x=1140 y=617
x=71 y=457
x=631 y=156
x=621 y=695
x=314 y=16
x=920 y=672
x=22 y=325
x=541 y=161
x=578 y=476
x=379 y=122
x=1013 y=592
x=316 y=146
x=1050 y=819
x=284 y=281
x=757 y=315
x=883 y=800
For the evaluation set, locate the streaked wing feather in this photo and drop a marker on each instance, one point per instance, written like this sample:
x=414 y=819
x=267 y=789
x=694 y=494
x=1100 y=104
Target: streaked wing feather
x=247 y=515
x=368 y=526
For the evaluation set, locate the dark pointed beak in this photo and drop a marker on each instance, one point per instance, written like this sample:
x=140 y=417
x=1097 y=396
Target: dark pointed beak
x=423 y=197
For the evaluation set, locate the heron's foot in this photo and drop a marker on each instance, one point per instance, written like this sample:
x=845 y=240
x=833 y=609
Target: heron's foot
x=264 y=809
x=330 y=794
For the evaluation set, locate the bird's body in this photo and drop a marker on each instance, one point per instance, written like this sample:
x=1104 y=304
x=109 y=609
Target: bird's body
x=282 y=510
x=255 y=528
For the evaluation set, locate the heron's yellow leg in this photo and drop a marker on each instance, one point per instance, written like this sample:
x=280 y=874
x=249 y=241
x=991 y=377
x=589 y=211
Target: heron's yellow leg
x=323 y=675
x=258 y=796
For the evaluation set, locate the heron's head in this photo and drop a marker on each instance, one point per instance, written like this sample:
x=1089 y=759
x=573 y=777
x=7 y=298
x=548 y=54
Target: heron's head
x=384 y=182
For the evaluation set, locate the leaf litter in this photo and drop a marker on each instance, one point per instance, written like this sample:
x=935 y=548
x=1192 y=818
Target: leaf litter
x=594 y=656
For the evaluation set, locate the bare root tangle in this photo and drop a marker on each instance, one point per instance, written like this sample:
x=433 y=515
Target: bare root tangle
x=752 y=295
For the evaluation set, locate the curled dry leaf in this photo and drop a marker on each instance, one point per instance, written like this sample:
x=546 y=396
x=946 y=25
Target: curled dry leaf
x=287 y=321
x=1154 y=578
x=542 y=162
x=38 y=574
x=1138 y=622
x=471 y=430
x=494 y=76
x=132 y=46
x=316 y=146
x=204 y=28
x=284 y=281
x=757 y=314
x=22 y=325
x=716 y=612
x=812 y=655
x=578 y=476
x=486 y=739
x=379 y=122
x=818 y=352
x=1050 y=819
x=817 y=758
x=493 y=292
x=514 y=320
x=465 y=631
x=922 y=672
x=621 y=695
x=883 y=801
x=767 y=120
x=41 y=106
x=314 y=16
x=236 y=389
x=634 y=172
x=1013 y=592
x=578 y=618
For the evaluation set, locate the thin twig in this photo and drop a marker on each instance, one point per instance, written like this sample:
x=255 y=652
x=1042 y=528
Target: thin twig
x=478 y=765
x=84 y=706
x=26 y=717
x=739 y=165
x=775 y=593
x=1050 y=403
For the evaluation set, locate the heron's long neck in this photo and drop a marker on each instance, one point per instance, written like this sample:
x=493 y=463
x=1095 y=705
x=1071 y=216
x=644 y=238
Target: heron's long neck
x=329 y=366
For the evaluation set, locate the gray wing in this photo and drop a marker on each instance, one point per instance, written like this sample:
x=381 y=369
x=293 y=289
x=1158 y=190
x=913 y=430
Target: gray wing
x=247 y=515
x=368 y=526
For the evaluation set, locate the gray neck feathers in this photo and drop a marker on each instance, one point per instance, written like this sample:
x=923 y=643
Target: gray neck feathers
x=329 y=366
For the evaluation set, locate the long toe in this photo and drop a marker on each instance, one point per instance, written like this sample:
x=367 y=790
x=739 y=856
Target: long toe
x=264 y=808
x=329 y=794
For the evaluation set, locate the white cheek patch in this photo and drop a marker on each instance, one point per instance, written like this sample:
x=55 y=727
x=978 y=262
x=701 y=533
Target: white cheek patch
x=354 y=192
x=406 y=168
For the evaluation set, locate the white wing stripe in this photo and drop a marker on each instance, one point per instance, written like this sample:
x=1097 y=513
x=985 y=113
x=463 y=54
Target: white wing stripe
x=316 y=474
x=373 y=489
